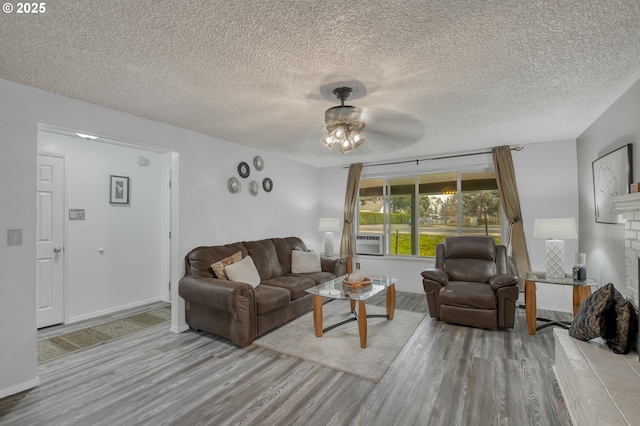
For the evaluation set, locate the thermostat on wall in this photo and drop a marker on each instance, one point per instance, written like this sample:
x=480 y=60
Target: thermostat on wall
x=76 y=214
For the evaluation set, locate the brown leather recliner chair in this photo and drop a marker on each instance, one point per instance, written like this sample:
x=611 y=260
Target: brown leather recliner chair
x=471 y=283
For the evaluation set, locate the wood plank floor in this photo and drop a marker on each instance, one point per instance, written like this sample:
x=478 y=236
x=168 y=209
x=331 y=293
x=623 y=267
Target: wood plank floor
x=445 y=375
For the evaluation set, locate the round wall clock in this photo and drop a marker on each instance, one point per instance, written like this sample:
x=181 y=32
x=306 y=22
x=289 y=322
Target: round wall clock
x=244 y=170
x=267 y=185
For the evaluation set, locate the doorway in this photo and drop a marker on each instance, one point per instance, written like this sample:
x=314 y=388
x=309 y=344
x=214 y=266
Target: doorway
x=115 y=256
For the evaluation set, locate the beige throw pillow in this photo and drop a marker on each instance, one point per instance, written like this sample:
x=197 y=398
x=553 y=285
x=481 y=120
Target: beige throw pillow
x=244 y=271
x=305 y=261
x=218 y=267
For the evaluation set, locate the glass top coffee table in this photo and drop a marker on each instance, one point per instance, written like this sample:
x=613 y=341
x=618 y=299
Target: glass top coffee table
x=335 y=290
x=581 y=290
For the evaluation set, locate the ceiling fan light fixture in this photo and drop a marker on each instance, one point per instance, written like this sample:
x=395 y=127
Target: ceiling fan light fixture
x=328 y=141
x=343 y=124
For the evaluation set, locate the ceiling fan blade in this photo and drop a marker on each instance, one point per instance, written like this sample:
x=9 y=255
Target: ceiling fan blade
x=394 y=125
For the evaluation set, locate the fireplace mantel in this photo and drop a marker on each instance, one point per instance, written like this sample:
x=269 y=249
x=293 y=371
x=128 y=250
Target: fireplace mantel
x=626 y=203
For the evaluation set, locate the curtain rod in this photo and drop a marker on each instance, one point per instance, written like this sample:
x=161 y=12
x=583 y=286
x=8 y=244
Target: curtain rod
x=418 y=160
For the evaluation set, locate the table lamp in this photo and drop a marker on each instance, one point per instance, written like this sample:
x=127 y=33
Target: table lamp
x=555 y=230
x=329 y=225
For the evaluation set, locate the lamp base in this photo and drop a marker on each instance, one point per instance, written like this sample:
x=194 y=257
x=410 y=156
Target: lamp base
x=328 y=244
x=555 y=258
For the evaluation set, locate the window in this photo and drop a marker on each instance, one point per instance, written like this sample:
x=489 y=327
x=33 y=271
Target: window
x=417 y=212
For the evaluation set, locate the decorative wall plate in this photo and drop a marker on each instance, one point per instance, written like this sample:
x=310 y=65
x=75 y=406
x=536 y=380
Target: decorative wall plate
x=234 y=185
x=244 y=170
x=258 y=163
x=267 y=185
x=254 y=188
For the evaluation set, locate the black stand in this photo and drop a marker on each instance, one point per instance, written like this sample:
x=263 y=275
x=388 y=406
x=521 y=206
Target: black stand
x=551 y=323
x=354 y=318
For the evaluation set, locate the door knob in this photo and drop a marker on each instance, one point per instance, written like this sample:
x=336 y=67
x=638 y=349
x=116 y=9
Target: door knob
x=57 y=249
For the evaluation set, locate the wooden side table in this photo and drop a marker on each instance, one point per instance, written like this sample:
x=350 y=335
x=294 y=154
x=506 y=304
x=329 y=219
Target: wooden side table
x=581 y=290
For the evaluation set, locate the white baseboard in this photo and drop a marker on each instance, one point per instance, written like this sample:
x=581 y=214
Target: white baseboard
x=182 y=328
x=21 y=387
x=83 y=317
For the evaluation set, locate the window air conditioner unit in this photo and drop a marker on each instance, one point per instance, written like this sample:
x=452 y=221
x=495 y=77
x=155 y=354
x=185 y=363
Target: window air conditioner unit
x=370 y=244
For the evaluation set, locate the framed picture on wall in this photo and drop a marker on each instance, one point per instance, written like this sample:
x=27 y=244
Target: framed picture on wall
x=119 y=190
x=612 y=176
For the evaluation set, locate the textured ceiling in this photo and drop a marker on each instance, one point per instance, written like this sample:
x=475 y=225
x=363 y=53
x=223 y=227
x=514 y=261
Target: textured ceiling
x=433 y=76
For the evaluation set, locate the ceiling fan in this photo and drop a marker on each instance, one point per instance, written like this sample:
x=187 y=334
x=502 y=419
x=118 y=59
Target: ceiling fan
x=389 y=129
x=343 y=124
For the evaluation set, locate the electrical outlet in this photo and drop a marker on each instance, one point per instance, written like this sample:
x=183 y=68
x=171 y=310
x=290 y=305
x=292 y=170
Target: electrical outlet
x=14 y=237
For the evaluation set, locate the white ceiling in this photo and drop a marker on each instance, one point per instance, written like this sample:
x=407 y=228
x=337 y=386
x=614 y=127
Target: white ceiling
x=434 y=76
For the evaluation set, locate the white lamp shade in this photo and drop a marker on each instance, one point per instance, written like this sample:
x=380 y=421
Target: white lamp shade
x=329 y=224
x=556 y=228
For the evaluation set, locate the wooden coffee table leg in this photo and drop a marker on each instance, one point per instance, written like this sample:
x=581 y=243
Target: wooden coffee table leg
x=391 y=301
x=580 y=293
x=353 y=305
x=317 y=315
x=530 y=305
x=362 y=324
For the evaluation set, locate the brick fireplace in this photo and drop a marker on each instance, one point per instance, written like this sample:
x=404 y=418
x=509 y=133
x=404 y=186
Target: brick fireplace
x=601 y=387
x=629 y=206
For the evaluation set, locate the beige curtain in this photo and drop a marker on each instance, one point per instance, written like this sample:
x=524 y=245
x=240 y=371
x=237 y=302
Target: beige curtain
x=350 y=200
x=510 y=201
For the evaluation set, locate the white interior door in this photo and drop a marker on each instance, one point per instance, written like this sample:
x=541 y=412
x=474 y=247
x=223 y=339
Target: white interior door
x=50 y=241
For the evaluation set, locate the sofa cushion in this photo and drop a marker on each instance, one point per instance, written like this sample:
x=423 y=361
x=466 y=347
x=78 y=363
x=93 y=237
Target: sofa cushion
x=477 y=270
x=218 y=267
x=270 y=298
x=243 y=271
x=295 y=285
x=318 y=277
x=201 y=258
x=465 y=247
x=590 y=321
x=305 y=261
x=284 y=247
x=468 y=295
x=265 y=258
x=621 y=325
x=625 y=328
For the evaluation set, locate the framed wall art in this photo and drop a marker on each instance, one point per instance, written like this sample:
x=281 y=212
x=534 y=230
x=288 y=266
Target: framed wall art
x=612 y=175
x=119 y=190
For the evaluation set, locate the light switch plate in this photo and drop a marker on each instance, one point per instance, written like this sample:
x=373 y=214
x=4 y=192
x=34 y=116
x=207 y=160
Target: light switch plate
x=14 y=237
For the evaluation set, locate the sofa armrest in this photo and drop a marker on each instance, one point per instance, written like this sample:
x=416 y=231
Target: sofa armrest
x=503 y=280
x=335 y=265
x=218 y=294
x=435 y=274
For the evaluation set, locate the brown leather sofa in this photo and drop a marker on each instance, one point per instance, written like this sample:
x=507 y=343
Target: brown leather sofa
x=471 y=283
x=237 y=310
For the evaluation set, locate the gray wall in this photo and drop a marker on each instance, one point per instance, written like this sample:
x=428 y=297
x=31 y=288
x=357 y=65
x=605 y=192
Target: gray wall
x=547 y=183
x=604 y=243
x=207 y=213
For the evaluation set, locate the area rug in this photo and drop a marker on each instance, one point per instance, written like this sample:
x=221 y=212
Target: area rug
x=339 y=348
x=64 y=344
